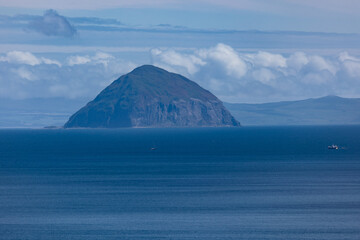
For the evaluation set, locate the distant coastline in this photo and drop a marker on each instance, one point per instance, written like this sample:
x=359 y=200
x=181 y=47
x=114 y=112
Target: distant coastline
x=334 y=111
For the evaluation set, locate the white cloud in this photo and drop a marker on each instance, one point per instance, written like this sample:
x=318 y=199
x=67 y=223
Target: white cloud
x=350 y=64
x=297 y=60
x=263 y=75
x=102 y=56
x=344 y=56
x=352 y=68
x=50 y=61
x=20 y=57
x=267 y=59
x=319 y=63
x=98 y=58
x=76 y=60
x=190 y=62
x=226 y=57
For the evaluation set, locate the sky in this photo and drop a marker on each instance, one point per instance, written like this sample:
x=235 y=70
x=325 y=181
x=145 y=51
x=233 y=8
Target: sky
x=247 y=51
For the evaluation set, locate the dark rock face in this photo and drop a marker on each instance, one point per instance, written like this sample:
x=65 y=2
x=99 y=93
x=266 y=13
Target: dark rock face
x=152 y=97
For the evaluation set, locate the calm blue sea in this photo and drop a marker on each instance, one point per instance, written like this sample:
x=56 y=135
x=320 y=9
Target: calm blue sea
x=204 y=184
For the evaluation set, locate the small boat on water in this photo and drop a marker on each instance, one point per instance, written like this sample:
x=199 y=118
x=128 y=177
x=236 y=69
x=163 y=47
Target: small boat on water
x=333 y=147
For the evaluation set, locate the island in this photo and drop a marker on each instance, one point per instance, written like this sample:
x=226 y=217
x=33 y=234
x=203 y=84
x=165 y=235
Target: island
x=153 y=97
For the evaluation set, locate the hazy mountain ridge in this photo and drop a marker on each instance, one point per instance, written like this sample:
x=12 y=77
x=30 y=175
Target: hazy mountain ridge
x=322 y=111
x=330 y=110
x=152 y=97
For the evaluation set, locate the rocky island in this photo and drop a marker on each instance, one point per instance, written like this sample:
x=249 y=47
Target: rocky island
x=153 y=97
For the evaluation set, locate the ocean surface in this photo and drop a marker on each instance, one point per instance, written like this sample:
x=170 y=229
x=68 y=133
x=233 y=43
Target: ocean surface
x=210 y=183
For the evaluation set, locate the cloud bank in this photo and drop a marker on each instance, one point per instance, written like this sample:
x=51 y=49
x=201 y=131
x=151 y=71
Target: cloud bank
x=231 y=75
x=27 y=58
x=25 y=75
x=263 y=76
x=52 y=24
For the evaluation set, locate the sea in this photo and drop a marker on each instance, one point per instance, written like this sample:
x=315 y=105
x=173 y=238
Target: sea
x=196 y=183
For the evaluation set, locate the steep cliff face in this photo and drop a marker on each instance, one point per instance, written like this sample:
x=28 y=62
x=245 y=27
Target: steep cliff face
x=152 y=97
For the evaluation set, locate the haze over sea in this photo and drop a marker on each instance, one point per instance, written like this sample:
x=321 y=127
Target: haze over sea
x=208 y=183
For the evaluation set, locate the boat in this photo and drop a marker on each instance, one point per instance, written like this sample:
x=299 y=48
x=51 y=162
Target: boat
x=333 y=147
